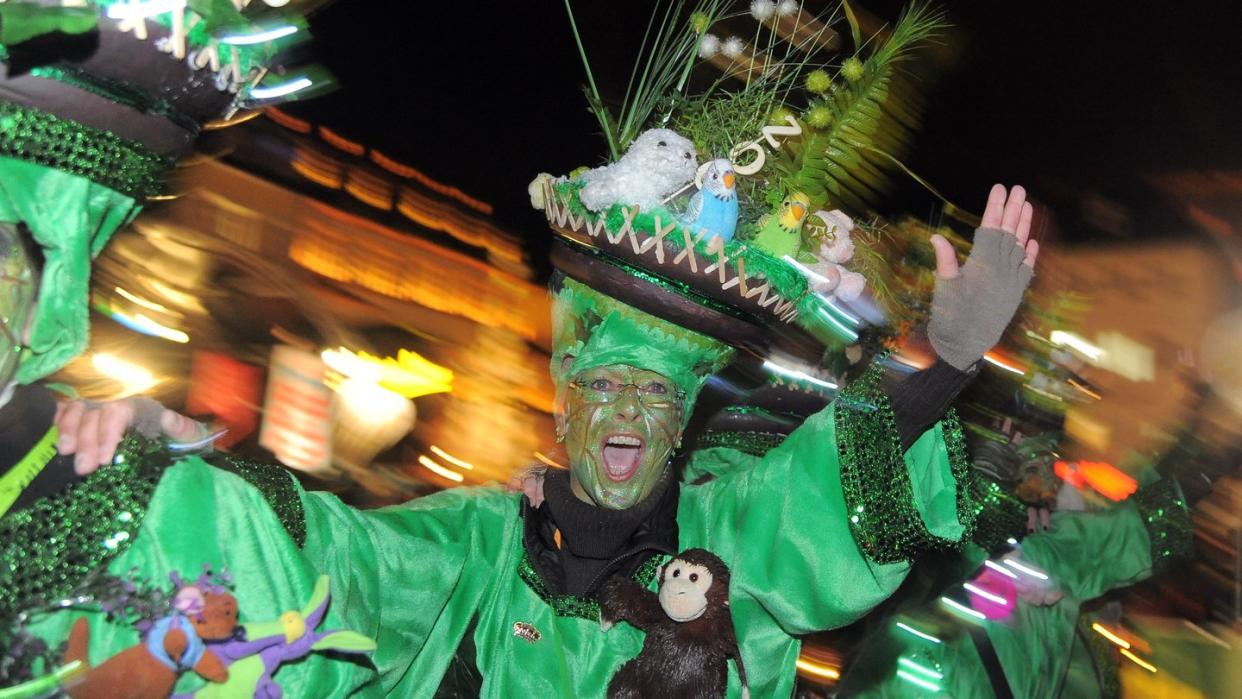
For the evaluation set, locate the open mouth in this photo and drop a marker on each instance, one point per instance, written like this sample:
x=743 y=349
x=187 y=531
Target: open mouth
x=622 y=455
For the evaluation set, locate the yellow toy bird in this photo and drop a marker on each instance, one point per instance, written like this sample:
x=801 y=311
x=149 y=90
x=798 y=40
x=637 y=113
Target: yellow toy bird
x=781 y=235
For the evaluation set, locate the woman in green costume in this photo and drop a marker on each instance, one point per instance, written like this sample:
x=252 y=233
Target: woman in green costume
x=510 y=579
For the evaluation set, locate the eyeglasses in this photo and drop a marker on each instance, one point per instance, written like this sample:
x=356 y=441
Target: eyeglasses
x=652 y=394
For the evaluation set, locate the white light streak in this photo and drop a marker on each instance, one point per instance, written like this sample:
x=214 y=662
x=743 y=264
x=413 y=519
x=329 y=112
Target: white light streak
x=998 y=363
x=1103 y=631
x=1138 y=661
x=459 y=463
x=975 y=589
x=1011 y=541
x=795 y=374
x=1017 y=565
x=259 y=37
x=288 y=88
x=906 y=662
x=1206 y=634
x=929 y=686
x=849 y=332
x=440 y=470
x=963 y=608
x=1000 y=569
x=1061 y=338
x=138 y=300
x=910 y=629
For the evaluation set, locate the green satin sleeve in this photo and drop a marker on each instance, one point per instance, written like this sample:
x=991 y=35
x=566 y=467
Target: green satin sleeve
x=412 y=576
x=791 y=535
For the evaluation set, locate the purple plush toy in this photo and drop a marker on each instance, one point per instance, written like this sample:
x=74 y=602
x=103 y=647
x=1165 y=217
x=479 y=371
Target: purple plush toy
x=254 y=655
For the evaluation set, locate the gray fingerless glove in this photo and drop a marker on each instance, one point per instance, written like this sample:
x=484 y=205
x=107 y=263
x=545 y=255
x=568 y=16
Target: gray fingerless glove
x=971 y=311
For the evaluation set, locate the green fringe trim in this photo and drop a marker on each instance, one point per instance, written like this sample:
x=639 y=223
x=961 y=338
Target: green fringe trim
x=1001 y=515
x=48 y=548
x=580 y=607
x=119 y=164
x=1163 y=509
x=878 y=493
x=753 y=443
x=116 y=91
x=277 y=486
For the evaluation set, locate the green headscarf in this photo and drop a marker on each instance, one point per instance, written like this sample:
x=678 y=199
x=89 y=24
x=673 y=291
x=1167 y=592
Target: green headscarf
x=598 y=330
x=70 y=217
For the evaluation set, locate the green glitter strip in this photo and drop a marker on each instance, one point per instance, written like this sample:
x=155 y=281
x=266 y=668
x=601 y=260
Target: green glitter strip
x=878 y=493
x=49 y=547
x=1001 y=515
x=116 y=91
x=581 y=607
x=1163 y=509
x=753 y=443
x=1103 y=658
x=119 y=164
x=277 y=486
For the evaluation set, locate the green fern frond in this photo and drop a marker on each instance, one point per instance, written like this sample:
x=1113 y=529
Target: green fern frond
x=844 y=165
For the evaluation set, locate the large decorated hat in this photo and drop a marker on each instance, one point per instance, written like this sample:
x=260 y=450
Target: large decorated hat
x=98 y=100
x=739 y=176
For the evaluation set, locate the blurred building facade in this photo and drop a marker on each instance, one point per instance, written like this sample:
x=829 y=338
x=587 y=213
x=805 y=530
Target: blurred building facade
x=282 y=232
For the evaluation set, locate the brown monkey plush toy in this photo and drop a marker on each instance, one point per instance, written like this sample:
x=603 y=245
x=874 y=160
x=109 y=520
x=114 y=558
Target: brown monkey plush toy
x=690 y=634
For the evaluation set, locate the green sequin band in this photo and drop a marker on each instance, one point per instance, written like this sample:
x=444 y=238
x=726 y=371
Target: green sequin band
x=115 y=91
x=102 y=157
x=1103 y=657
x=878 y=493
x=581 y=607
x=753 y=443
x=49 y=547
x=277 y=486
x=1001 y=515
x=1164 y=513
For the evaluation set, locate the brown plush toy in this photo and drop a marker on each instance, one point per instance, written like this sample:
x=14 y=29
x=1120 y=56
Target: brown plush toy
x=173 y=645
x=690 y=635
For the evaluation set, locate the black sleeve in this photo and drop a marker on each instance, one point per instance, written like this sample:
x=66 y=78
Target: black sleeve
x=920 y=399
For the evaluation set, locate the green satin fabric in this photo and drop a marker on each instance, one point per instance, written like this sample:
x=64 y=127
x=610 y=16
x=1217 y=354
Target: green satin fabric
x=1086 y=554
x=71 y=218
x=200 y=515
x=418 y=575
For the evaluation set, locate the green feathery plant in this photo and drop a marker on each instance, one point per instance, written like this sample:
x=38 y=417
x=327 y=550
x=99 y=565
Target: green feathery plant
x=866 y=121
x=661 y=71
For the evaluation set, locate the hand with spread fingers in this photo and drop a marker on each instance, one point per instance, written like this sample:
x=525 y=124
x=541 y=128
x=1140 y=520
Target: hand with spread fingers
x=973 y=304
x=94 y=430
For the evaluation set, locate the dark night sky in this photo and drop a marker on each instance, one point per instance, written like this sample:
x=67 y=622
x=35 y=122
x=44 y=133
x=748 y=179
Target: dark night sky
x=1077 y=95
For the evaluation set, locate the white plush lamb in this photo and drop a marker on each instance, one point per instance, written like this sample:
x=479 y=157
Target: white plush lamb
x=657 y=164
x=835 y=250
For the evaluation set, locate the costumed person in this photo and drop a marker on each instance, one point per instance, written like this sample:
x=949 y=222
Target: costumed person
x=492 y=593
x=97 y=101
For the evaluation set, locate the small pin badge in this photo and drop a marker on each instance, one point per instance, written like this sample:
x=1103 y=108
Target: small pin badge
x=526 y=631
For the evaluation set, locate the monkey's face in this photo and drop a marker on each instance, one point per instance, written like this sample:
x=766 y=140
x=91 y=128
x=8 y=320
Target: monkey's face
x=683 y=590
x=620 y=426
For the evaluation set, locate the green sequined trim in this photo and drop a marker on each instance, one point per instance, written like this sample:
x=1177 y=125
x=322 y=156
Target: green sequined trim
x=581 y=607
x=753 y=443
x=115 y=91
x=1001 y=515
x=1164 y=513
x=878 y=493
x=49 y=547
x=277 y=487
x=100 y=156
x=1103 y=657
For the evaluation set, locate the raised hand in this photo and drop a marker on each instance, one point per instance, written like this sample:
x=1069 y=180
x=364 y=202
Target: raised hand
x=93 y=430
x=973 y=304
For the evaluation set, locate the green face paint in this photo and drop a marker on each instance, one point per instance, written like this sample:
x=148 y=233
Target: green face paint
x=621 y=425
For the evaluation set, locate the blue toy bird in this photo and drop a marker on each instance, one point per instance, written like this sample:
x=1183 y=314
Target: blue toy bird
x=714 y=207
